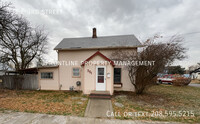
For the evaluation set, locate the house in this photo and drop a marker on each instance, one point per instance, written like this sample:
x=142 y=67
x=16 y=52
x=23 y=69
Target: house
x=195 y=74
x=4 y=69
x=2 y=72
x=85 y=64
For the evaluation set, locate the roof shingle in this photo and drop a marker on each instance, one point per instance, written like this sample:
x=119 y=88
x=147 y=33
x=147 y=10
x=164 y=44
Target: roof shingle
x=99 y=42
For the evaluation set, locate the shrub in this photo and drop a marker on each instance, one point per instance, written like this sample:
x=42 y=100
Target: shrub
x=181 y=81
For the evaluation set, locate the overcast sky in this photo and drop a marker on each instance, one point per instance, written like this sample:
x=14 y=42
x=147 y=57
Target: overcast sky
x=144 y=18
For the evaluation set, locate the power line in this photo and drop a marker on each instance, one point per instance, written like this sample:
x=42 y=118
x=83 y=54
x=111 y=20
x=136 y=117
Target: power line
x=183 y=34
x=191 y=33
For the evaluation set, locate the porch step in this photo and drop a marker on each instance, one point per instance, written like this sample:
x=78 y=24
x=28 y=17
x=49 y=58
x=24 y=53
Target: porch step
x=100 y=95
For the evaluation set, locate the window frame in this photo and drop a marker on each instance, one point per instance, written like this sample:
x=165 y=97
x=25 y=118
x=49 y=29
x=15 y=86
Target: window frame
x=47 y=78
x=120 y=76
x=73 y=72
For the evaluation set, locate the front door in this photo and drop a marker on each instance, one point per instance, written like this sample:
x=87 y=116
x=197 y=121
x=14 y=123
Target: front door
x=100 y=78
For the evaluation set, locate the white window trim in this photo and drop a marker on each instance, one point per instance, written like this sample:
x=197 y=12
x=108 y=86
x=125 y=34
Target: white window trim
x=73 y=72
x=46 y=78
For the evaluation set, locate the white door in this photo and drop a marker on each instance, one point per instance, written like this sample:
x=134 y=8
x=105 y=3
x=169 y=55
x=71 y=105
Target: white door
x=100 y=78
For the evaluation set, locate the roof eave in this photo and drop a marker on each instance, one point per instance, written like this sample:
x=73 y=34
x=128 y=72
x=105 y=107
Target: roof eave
x=128 y=47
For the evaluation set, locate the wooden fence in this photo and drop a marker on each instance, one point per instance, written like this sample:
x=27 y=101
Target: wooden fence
x=25 y=82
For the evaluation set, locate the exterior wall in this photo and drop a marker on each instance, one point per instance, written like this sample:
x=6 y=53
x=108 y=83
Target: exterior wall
x=195 y=75
x=126 y=83
x=49 y=84
x=198 y=77
x=65 y=71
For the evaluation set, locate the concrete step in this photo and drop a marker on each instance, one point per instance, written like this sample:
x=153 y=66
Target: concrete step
x=94 y=94
x=99 y=92
x=100 y=95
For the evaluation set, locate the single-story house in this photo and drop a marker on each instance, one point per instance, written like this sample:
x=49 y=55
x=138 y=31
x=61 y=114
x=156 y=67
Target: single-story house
x=195 y=74
x=82 y=65
x=2 y=72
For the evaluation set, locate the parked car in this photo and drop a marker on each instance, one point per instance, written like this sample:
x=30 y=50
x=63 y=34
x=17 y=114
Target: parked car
x=168 y=78
x=174 y=79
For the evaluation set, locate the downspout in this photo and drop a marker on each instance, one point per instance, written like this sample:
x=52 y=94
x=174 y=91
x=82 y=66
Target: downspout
x=59 y=86
x=38 y=76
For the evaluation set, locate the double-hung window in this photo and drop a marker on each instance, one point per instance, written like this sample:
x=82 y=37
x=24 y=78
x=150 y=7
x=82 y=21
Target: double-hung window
x=76 y=72
x=46 y=75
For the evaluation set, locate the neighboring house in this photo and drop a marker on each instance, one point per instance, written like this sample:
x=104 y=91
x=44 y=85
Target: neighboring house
x=2 y=72
x=97 y=76
x=4 y=68
x=195 y=74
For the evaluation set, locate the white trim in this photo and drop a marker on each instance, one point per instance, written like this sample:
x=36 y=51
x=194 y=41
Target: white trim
x=101 y=86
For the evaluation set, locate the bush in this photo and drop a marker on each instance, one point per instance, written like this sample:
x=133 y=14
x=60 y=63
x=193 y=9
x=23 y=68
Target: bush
x=181 y=81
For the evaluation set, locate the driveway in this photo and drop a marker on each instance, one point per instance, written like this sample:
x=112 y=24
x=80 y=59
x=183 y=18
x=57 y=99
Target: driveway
x=9 y=117
x=194 y=85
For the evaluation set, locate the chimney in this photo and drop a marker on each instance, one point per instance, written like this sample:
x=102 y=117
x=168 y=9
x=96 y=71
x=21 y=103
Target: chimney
x=94 y=35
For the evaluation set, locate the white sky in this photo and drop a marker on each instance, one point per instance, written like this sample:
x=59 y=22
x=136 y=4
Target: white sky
x=144 y=18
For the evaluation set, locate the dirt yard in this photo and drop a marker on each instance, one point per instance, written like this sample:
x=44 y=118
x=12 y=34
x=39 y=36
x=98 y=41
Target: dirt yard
x=50 y=102
x=161 y=103
x=196 y=81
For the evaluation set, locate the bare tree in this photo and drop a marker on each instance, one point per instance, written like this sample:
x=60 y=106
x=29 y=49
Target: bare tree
x=20 y=44
x=163 y=54
x=6 y=17
x=193 y=67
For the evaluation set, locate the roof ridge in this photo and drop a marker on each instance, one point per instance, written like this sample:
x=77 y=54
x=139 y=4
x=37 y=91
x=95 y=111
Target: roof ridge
x=102 y=36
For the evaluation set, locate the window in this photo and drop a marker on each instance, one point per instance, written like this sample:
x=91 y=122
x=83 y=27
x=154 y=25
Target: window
x=46 y=75
x=117 y=75
x=76 y=72
x=100 y=75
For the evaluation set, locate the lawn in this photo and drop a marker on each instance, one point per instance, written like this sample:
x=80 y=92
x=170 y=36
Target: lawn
x=161 y=103
x=195 y=81
x=49 y=102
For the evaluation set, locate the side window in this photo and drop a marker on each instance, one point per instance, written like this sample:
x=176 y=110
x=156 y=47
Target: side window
x=46 y=75
x=117 y=75
x=76 y=72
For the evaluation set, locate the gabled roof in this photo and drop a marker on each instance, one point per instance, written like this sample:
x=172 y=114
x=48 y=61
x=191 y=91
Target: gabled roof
x=120 y=41
x=100 y=54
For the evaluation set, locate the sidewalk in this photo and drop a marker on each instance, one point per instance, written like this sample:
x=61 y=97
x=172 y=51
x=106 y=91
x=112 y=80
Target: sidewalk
x=98 y=108
x=9 y=117
x=194 y=85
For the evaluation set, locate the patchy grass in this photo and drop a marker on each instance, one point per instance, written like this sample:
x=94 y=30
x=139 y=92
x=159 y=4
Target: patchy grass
x=49 y=102
x=160 y=103
x=195 y=81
